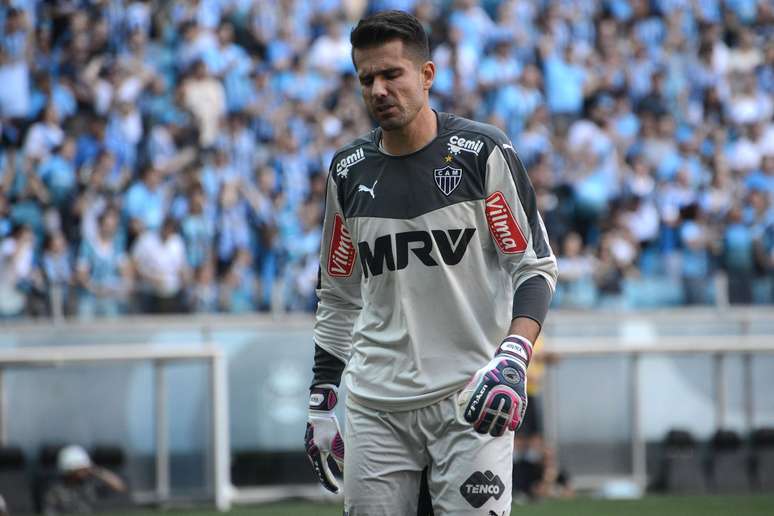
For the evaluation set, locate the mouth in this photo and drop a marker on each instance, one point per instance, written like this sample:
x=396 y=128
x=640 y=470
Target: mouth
x=385 y=109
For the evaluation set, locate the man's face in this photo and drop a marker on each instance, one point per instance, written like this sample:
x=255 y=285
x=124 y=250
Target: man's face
x=394 y=86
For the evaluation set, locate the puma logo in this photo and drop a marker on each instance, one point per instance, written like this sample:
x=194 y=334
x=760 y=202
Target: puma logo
x=364 y=188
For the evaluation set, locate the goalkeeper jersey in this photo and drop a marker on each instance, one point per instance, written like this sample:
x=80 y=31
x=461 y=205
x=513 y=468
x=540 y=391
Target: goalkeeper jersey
x=420 y=258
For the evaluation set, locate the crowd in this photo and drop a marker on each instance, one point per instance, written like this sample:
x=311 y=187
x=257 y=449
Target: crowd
x=172 y=156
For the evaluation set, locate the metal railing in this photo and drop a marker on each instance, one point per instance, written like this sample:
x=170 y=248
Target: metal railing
x=718 y=334
x=98 y=355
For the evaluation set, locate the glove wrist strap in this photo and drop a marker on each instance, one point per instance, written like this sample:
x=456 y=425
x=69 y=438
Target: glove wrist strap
x=516 y=346
x=323 y=397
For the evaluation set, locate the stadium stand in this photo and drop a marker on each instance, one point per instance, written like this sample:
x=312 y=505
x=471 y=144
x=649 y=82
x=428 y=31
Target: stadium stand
x=646 y=127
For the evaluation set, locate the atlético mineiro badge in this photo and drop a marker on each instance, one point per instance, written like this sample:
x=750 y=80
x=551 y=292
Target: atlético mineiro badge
x=447 y=178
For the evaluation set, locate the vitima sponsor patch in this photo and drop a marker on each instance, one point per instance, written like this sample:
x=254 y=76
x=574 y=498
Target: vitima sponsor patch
x=480 y=487
x=457 y=145
x=447 y=178
x=503 y=226
x=341 y=259
x=342 y=167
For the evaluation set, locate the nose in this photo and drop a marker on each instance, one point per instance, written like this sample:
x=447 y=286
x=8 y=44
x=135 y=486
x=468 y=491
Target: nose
x=379 y=88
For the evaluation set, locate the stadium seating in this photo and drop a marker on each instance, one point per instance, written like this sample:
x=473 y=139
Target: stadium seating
x=762 y=446
x=261 y=467
x=727 y=464
x=14 y=481
x=681 y=467
x=45 y=472
x=113 y=458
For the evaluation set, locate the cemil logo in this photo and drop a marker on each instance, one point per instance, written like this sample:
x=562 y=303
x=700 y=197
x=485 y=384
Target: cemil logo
x=341 y=258
x=457 y=144
x=342 y=167
x=480 y=487
x=503 y=226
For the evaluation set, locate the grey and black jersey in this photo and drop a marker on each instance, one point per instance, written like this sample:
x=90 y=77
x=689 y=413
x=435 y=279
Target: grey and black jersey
x=421 y=255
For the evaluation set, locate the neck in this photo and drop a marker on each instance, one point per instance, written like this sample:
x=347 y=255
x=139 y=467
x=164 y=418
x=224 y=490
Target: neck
x=412 y=137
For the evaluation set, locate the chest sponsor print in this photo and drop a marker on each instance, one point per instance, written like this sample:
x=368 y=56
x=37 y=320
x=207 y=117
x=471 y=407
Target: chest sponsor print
x=342 y=167
x=458 y=144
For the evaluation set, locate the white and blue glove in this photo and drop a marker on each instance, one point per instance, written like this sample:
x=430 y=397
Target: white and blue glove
x=495 y=399
x=323 y=437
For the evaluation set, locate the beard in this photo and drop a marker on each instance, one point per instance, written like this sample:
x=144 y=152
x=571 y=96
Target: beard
x=392 y=116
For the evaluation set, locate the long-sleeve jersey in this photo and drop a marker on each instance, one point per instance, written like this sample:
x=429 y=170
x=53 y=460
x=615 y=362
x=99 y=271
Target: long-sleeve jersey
x=421 y=255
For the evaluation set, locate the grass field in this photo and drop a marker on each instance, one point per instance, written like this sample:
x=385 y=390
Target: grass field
x=746 y=505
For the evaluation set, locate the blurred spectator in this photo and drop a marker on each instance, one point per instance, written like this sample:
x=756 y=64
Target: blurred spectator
x=80 y=485
x=204 y=295
x=231 y=64
x=536 y=472
x=57 y=171
x=232 y=228
x=15 y=49
x=103 y=269
x=565 y=79
x=330 y=52
x=160 y=264
x=204 y=96
x=695 y=266
x=239 y=284
x=738 y=258
x=44 y=135
x=57 y=273
x=17 y=272
x=575 y=285
x=198 y=229
x=145 y=202
x=303 y=248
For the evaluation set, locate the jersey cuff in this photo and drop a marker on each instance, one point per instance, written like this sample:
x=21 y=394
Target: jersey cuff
x=532 y=299
x=327 y=368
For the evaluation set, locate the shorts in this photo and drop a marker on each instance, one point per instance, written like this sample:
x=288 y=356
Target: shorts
x=468 y=473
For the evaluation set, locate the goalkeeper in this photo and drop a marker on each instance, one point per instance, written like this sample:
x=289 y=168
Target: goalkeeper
x=435 y=277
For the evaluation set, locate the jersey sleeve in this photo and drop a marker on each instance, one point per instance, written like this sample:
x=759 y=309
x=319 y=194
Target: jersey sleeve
x=338 y=286
x=514 y=223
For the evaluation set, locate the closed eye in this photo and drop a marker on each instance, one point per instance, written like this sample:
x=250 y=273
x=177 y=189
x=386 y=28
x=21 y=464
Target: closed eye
x=388 y=74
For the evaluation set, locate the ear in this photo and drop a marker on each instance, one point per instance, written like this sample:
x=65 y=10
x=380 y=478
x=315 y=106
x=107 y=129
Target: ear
x=428 y=75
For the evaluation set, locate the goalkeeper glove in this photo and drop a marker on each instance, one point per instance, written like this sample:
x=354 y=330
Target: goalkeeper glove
x=323 y=437
x=496 y=396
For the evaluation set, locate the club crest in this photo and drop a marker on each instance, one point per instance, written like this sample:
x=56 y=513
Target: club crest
x=447 y=178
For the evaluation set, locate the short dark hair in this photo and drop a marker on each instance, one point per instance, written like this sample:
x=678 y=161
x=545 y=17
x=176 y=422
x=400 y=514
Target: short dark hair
x=387 y=26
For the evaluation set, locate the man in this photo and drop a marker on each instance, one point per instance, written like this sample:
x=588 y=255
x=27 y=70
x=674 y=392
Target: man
x=434 y=260
x=80 y=484
x=162 y=269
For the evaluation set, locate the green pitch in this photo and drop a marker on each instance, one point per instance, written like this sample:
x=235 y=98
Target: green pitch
x=743 y=505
